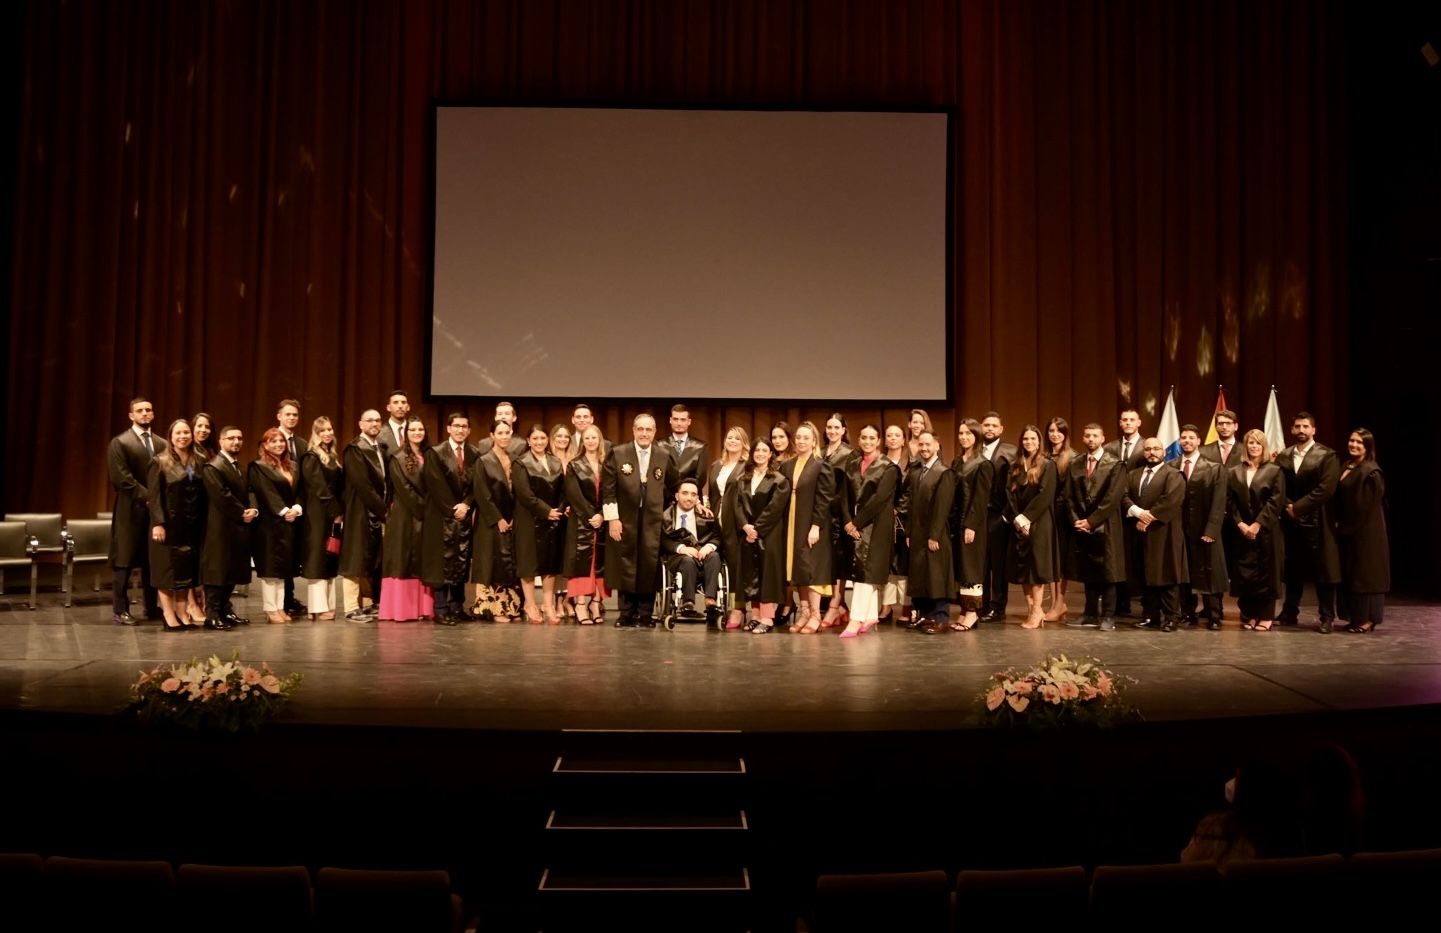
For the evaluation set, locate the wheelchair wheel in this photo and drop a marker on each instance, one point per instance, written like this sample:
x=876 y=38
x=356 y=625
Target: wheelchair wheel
x=669 y=622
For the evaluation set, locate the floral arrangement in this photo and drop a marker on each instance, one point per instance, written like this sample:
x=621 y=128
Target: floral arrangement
x=1057 y=693
x=213 y=694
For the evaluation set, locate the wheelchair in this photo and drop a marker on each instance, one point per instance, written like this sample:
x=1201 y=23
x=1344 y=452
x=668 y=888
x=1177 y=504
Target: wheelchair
x=670 y=598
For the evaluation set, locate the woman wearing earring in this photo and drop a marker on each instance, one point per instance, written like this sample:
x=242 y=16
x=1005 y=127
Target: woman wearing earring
x=540 y=536
x=1059 y=452
x=323 y=479
x=762 y=501
x=493 y=560
x=273 y=483
x=723 y=483
x=403 y=597
x=587 y=539
x=918 y=423
x=875 y=486
x=177 y=527
x=842 y=458
x=1360 y=515
x=1255 y=498
x=1030 y=496
x=974 y=475
x=808 y=569
x=896 y=600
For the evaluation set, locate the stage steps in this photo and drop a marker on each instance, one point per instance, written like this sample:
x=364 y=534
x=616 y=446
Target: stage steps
x=647 y=830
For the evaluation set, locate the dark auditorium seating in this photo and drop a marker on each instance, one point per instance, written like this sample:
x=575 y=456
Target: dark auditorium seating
x=1137 y=895
x=95 y=894
x=984 y=898
x=281 y=895
x=19 y=886
x=384 y=901
x=918 y=902
x=1289 y=892
x=1401 y=884
x=15 y=552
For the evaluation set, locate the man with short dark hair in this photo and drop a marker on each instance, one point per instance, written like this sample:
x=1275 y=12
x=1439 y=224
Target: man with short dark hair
x=505 y=411
x=689 y=453
x=128 y=463
x=1220 y=450
x=1311 y=472
x=926 y=505
x=1155 y=496
x=690 y=545
x=1127 y=449
x=636 y=483
x=1203 y=516
x=364 y=500
x=996 y=588
x=446 y=532
x=392 y=435
x=230 y=510
x=1097 y=487
x=287 y=419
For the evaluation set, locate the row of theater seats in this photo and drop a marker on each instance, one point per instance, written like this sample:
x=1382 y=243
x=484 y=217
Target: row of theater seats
x=65 y=894
x=1290 y=893
x=28 y=539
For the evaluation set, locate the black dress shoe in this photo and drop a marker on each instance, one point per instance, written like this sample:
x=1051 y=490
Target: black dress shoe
x=712 y=617
x=625 y=621
x=992 y=615
x=1192 y=621
x=123 y=618
x=1285 y=619
x=217 y=624
x=934 y=627
x=232 y=620
x=1326 y=626
x=295 y=608
x=447 y=618
x=1169 y=625
x=1214 y=625
x=1083 y=622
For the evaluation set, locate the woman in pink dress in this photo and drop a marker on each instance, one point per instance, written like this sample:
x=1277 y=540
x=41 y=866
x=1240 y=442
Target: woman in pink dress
x=403 y=598
x=585 y=549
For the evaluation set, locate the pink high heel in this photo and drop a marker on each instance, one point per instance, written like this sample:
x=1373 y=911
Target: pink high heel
x=853 y=629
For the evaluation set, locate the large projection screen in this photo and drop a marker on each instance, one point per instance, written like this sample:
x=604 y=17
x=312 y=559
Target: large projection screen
x=697 y=254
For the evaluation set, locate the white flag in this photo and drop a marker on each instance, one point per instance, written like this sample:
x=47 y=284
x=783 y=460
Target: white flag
x=1169 y=430
x=1275 y=434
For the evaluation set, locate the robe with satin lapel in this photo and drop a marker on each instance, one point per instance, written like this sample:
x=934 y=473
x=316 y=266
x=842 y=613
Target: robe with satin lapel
x=493 y=561
x=968 y=511
x=324 y=487
x=1101 y=552
x=1158 y=556
x=1033 y=556
x=1205 y=514
x=871 y=506
x=225 y=558
x=1360 y=513
x=128 y=463
x=582 y=494
x=763 y=562
x=1256 y=566
x=811 y=492
x=724 y=506
x=364 y=500
x=1311 y=551
x=401 y=550
x=928 y=498
x=632 y=564
x=445 y=541
x=273 y=542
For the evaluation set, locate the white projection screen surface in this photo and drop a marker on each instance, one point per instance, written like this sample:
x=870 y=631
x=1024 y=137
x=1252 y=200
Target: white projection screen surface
x=696 y=254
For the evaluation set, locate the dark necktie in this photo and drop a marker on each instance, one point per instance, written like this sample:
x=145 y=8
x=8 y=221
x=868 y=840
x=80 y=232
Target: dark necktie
x=149 y=448
x=684 y=525
x=1146 y=480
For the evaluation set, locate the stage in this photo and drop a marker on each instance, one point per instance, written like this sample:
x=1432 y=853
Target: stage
x=542 y=677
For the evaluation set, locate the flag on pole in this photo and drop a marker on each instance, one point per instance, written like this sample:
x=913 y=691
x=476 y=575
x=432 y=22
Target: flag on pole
x=1169 y=430
x=1275 y=434
x=1211 y=435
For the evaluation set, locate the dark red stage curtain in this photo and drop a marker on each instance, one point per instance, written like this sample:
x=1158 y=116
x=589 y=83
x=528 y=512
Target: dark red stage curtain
x=221 y=204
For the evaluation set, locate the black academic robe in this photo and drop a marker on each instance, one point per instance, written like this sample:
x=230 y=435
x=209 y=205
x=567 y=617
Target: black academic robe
x=539 y=542
x=516 y=447
x=1061 y=520
x=324 y=485
x=763 y=561
x=811 y=494
x=492 y=552
x=703 y=531
x=586 y=543
x=900 y=548
x=1033 y=555
x=844 y=461
x=927 y=507
x=690 y=463
x=1204 y=513
x=1256 y=566
x=1137 y=460
x=1311 y=551
x=128 y=463
x=1158 y=556
x=1101 y=552
x=225 y=558
x=401 y=548
x=178 y=503
x=969 y=512
x=632 y=564
x=871 y=507
x=723 y=503
x=364 y=500
x=273 y=538
x=1212 y=452
x=445 y=542
x=1360 y=514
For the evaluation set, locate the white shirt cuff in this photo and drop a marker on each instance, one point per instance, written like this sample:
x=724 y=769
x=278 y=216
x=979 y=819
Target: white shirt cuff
x=610 y=512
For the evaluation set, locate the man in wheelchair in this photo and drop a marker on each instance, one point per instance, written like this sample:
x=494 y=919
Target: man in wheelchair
x=690 y=546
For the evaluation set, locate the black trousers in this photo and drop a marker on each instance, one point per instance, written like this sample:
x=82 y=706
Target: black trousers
x=931 y=607
x=1257 y=607
x=120 y=598
x=217 y=600
x=1161 y=602
x=708 y=574
x=1210 y=603
x=1100 y=600
x=1325 y=598
x=996 y=587
x=449 y=597
x=632 y=604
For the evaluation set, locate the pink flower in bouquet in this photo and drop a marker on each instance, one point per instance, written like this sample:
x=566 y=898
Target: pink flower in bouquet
x=1050 y=693
x=250 y=676
x=1069 y=690
x=1089 y=692
x=271 y=683
x=995 y=698
x=170 y=685
x=1023 y=686
x=1018 y=703
x=1104 y=685
x=222 y=688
